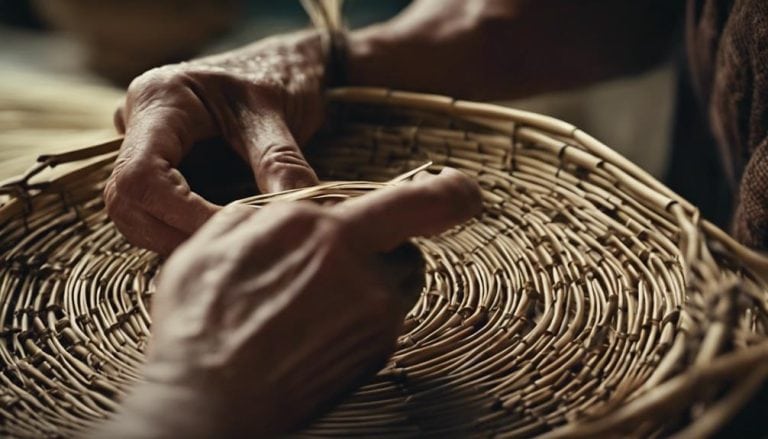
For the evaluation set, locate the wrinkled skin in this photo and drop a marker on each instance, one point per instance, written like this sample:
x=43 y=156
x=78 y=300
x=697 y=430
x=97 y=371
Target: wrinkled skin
x=264 y=100
x=265 y=317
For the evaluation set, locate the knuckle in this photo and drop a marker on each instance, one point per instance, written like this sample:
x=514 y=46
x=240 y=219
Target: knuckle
x=158 y=82
x=301 y=213
x=155 y=78
x=131 y=184
x=284 y=164
x=279 y=156
x=312 y=218
x=140 y=85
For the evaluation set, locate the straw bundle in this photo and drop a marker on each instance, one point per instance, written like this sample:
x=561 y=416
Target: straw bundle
x=586 y=299
x=48 y=113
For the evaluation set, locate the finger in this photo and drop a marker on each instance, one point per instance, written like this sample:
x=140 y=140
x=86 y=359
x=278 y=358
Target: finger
x=142 y=230
x=161 y=130
x=169 y=199
x=383 y=219
x=150 y=184
x=163 y=117
x=277 y=161
x=156 y=139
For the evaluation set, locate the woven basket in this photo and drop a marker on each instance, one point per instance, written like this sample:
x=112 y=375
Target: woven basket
x=586 y=299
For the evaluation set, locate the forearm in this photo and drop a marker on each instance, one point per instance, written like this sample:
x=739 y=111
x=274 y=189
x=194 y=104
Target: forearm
x=499 y=49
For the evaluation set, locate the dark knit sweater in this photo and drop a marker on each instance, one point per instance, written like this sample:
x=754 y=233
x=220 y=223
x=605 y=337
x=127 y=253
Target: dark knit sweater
x=727 y=45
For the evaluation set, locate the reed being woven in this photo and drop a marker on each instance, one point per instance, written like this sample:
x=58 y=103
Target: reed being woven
x=586 y=299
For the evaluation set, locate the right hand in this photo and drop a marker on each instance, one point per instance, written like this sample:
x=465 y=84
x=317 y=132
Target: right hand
x=264 y=100
x=266 y=317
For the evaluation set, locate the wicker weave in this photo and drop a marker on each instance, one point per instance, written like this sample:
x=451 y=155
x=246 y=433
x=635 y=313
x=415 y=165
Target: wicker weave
x=586 y=299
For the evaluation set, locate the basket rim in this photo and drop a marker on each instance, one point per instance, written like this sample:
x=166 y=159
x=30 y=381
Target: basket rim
x=493 y=131
x=487 y=114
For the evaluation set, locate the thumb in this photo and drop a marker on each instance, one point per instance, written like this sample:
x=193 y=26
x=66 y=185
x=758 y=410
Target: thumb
x=276 y=159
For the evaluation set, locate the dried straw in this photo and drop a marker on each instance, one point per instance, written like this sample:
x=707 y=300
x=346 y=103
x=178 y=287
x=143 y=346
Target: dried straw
x=587 y=298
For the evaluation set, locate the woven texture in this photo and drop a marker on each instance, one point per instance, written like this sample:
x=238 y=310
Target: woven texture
x=586 y=299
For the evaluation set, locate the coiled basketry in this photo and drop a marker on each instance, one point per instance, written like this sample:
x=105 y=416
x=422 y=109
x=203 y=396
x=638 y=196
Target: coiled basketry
x=587 y=299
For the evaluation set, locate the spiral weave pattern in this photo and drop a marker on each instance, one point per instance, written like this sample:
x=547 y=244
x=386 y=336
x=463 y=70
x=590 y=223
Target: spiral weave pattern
x=586 y=298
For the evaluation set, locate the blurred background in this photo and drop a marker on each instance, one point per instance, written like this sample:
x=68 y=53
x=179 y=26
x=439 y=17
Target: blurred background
x=118 y=40
x=64 y=65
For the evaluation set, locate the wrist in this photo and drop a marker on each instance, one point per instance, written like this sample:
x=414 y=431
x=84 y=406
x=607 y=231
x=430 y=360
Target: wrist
x=159 y=411
x=401 y=55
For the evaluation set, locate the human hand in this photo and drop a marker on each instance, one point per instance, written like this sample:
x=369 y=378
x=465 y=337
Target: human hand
x=264 y=318
x=264 y=100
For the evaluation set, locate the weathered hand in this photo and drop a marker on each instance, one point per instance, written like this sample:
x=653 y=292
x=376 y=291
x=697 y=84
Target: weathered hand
x=265 y=100
x=264 y=318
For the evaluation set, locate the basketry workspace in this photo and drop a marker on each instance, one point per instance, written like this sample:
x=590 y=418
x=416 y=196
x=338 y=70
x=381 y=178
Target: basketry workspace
x=586 y=299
